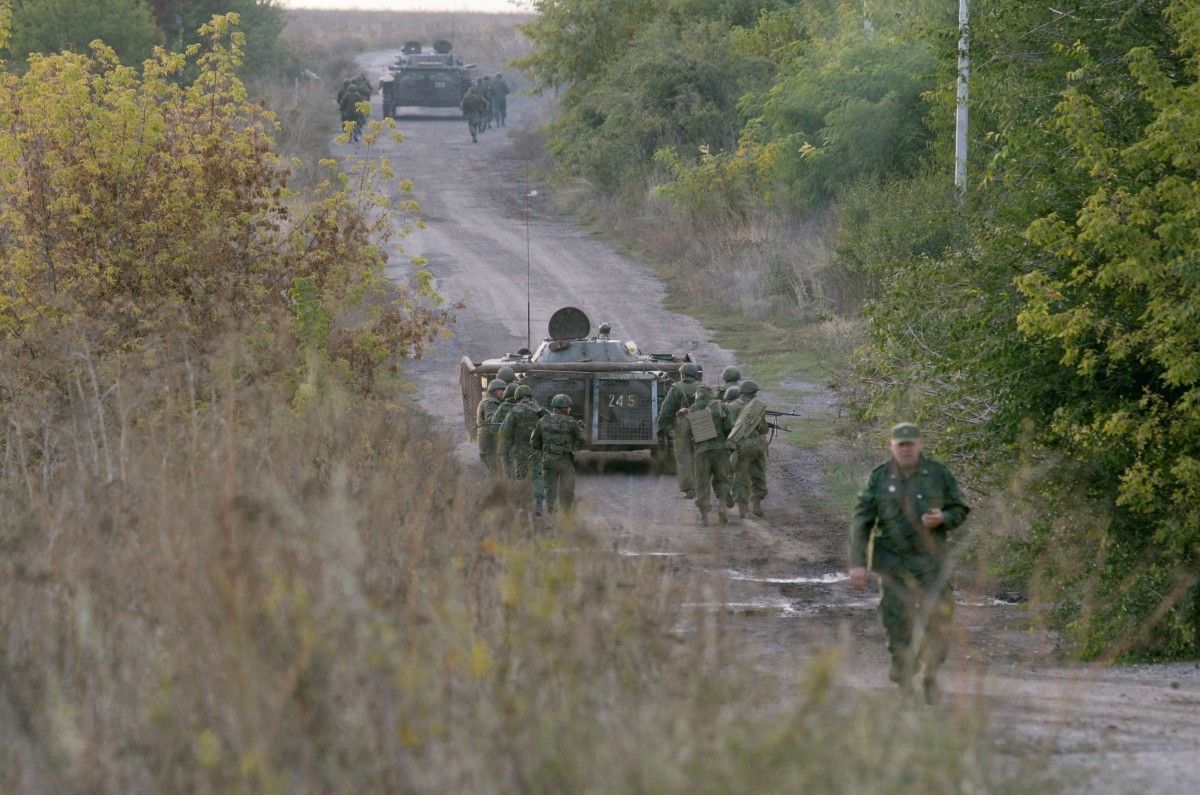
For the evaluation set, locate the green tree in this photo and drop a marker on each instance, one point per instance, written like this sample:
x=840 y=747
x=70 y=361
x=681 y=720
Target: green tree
x=71 y=25
x=262 y=22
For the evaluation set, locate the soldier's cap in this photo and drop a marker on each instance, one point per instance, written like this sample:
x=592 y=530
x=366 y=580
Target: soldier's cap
x=906 y=432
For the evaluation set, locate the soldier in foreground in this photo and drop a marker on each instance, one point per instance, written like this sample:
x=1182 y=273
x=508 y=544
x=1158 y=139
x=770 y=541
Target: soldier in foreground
x=748 y=450
x=679 y=397
x=909 y=506
x=710 y=425
x=485 y=431
x=500 y=92
x=475 y=107
x=556 y=438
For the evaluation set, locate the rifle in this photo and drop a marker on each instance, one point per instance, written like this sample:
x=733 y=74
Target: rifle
x=775 y=426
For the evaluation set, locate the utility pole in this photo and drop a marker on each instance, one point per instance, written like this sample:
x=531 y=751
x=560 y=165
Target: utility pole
x=961 y=117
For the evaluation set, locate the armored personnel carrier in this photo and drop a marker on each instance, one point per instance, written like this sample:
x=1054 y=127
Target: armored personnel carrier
x=615 y=388
x=423 y=78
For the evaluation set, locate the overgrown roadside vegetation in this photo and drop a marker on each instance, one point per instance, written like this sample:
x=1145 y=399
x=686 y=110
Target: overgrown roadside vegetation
x=233 y=557
x=1037 y=329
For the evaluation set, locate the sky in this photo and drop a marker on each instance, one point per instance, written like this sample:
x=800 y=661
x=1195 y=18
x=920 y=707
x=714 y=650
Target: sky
x=408 y=5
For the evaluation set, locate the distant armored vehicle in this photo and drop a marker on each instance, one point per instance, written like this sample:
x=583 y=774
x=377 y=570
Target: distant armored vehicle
x=616 y=390
x=425 y=79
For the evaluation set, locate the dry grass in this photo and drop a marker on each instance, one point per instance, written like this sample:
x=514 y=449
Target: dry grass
x=307 y=595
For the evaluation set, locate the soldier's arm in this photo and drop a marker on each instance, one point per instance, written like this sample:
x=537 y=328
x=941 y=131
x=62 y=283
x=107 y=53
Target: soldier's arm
x=535 y=438
x=866 y=514
x=955 y=509
x=479 y=418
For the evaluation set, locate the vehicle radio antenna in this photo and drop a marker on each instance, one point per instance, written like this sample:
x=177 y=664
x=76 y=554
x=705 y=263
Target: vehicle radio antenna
x=528 y=271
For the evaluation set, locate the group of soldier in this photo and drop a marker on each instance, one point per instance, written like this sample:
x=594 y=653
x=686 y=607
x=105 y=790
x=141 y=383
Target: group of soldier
x=353 y=91
x=485 y=104
x=720 y=441
x=529 y=446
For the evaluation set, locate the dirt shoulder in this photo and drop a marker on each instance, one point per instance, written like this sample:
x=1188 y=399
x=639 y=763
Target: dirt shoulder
x=782 y=579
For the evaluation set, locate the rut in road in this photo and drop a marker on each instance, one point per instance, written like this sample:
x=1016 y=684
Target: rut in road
x=781 y=577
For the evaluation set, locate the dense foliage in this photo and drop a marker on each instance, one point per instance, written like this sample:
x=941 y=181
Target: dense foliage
x=132 y=27
x=1046 y=325
x=53 y=25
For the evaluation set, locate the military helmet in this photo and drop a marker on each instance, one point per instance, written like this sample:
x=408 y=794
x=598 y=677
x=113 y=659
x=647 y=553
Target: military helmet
x=523 y=391
x=497 y=383
x=690 y=370
x=704 y=390
x=731 y=374
x=510 y=391
x=561 y=401
x=499 y=75
x=506 y=374
x=748 y=387
x=733 y=393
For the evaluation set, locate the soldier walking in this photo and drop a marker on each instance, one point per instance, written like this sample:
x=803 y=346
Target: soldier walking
x=672 y=417
x=748 y=450
x=489 y=93
x=556 y=437
x=710 y=425
x=905 y=513
x=510 y=400
x=352 y=92
x=485 y=432
x=500 y=92
x=474 y=107
x=515 y=436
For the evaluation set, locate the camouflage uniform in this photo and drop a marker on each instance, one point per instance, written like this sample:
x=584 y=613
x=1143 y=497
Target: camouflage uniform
x=887 y=536
x=711 y=458
x=557 y=436
x=489 y=93
x=498 y=418
x=486 y=432
x=748 y=460
x=515 y=435
x=353 y=92
x=474 y=107
x=679 y=397
x=500 y=93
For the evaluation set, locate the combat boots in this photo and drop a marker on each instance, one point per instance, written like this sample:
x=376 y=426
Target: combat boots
x=537 y=507
x=722 y=517
x=703 y=518
x=743 y=510
x=756 y=507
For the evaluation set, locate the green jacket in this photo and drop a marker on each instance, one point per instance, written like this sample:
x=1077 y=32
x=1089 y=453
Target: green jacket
x=679 y=396
x=518 y=427
x=557 y=435
x=485 y=430
x=887 y=532
x=722 y=419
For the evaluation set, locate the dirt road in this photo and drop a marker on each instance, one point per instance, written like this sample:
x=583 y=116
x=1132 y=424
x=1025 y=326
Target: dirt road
x=1136 y=728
